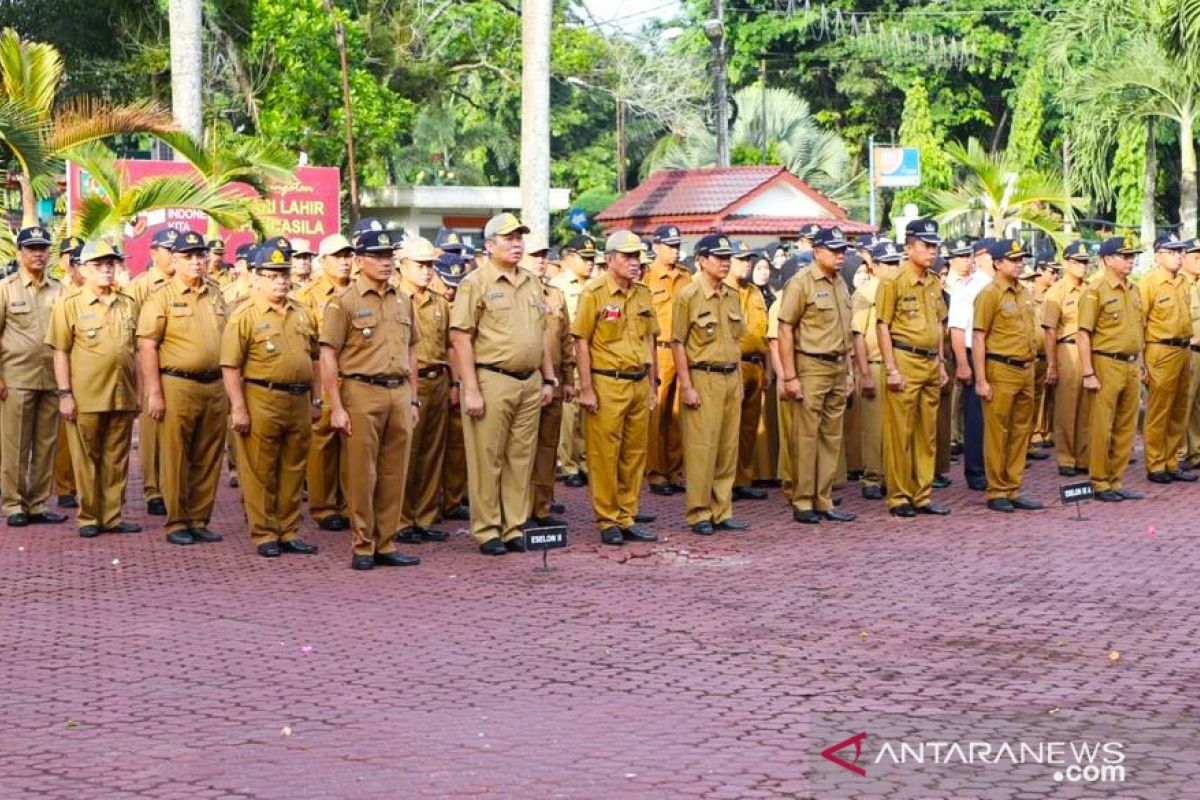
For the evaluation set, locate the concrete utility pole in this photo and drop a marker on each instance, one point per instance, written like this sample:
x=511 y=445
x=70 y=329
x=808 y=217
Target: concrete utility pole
x=535 y=115
x=714 y=29
x=187 y=65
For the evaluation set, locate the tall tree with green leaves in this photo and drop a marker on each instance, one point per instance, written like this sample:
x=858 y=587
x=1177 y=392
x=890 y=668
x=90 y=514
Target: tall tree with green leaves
x=917 y=130
x=1026 y=139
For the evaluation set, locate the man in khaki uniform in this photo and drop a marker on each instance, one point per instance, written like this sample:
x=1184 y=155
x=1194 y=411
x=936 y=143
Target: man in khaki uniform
x=64 y=475
x=1038 y=281
x=28 y=407
x=1060 y=322
x=218 y=271
x=368 y=351
x=884 y=259
x=707 y=328
x=665 y=279
x=615 y=329
x=783 y=408
x=815 y=348
x=1191 y=270
x=1005 y=349
x=1110 y=354
x=578 y=264
x=754 y=368
x=302 y=264
x=911 y=311
x=1167 y=307
x=179 y=346
x=432 y=314
x=268 y=350
x=498 y=332
x=451 y=268
x=91 y=330
x=326 y=499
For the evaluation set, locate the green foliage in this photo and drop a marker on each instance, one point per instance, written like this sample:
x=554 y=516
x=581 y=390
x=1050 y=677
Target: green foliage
x=917 y=130
x=1026 y=145
x=1127 y=176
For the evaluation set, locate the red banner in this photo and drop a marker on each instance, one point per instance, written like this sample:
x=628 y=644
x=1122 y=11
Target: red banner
x=308 y=209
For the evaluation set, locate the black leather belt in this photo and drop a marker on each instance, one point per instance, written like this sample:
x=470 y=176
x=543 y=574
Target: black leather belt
x=1174 y=342
x=623 y=375
x=198 y=377
x=1012 y=362
x=720 y=369
x=1195 y=348
x=1041 y=356
x=832 y=358
x=662 y=344
x=756 y=359
x=919 y=351
x=521 y=376
x=1067 y=340
x=1128 y=358
x=431 y=372
x=287 y=388
x=387 y=382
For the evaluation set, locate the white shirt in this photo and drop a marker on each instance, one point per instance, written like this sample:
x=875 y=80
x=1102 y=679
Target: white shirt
x=962 y=302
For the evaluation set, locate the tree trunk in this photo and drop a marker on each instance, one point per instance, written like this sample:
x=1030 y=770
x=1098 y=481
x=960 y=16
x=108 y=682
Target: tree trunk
x=1187 y=174
x=1150 y=190
x=535 y=115
x=187 y=65
x=29 y=215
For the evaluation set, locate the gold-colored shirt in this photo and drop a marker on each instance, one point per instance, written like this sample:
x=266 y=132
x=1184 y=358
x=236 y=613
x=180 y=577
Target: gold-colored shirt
x=708 y=323
x=665 y=285
x=433 y=320
x=270 y=344
x=187 y=324
x=863 y=316
x=558 y=330
x=754 y=312
x=97 y=334
x=1005 y=314
x=817 y=306
x=1166 y=306
x=505 y=314
x=236 y=291
x=145 y=283
x=1194 y=294
x=1060 y=308
x=912 y=307
x=317 y=295
x=572 y=287
x=615 y=323
x=1111 y=310
x=371 y=332
x=25 y=304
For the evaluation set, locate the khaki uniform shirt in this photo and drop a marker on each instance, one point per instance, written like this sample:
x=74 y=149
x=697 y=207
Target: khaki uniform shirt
x=708 y=323
x=1112 y=312
x=25 y=361
x=269 y=344
x=370 y=332
x=862 y=320
x=571 y=286
x=665 y=286
x=97 y=334
x=1060 y=308
x=1194 y=293
x=505 y=314
x=1005 y=314
x=912 y=307
x=144 y=284
x=433 y=320
x=187 y=324
x=773 y=321
x=615 y=323
x=236 y=291
x=558 y=330
x=317 y=295
x=817 y=306
x=1166 y=306
x=754 y=312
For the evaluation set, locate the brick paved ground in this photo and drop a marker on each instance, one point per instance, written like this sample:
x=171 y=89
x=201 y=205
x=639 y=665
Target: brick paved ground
x=698 y=669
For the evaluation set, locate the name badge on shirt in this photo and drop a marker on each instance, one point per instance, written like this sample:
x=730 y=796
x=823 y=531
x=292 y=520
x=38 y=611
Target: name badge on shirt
x=363 y=312
x=611 y=312
x=495 y=295
x=822 y=293
x=262 y=326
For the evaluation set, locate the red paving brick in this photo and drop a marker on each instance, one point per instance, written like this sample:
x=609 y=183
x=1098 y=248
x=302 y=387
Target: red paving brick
x=694 y=669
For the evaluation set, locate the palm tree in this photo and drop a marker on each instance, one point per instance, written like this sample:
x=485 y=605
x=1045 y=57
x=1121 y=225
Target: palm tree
x=992 y=194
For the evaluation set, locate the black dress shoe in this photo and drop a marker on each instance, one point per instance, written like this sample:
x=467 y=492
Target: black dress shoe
x=732 y=524
x=460 y=511
x=612 y=536
x=515 y=545
x=1130 y=494
x=1001 y=504
x=18 y=520
x=333 y=523
x=677 y=488
x=1046 y=444
x=396 y=560
x=408 y=536
x=558 y=508
x=1108 y=496
x=1027 y=504
x=1036 y=455
x=903 y=510
x=748 y=493
x=636 y=534
x=704 y=528
x=157 y=507
x=977 y=485
x=362 y=562
x=123 y=527
x=67 y=501
x=1160 y=477
x=872 y=492
x=1081 y=470
x=940 y=482
x=645 y=518
x=298 y=546
x=205 y=535
x=1066 y=472
x=1185 y=477
x=661 y=489
x=47 y=518
x=429 y=535
x=493 y=547
x=574 y=481
x=854 y=475
x=180 y=537
x=834 y=515
x=806 y=517
x=934 y=509
x=269 y=550
x=89 y=531
x=233 y=480
x=549 y=521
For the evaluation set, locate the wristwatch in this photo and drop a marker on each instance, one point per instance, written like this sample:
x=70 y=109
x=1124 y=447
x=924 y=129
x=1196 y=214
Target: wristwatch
x=63 y=392
x=318 y=402
x=550 y=382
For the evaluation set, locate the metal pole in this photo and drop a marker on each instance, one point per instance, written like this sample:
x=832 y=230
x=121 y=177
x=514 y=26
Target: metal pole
x=722 y=89
x=340 y=34
x=871 y=179
x=762 y=87
x=535 y=115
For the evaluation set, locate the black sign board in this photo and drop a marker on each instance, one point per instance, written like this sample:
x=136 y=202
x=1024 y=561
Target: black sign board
x=1075 y=492
x=549 y=538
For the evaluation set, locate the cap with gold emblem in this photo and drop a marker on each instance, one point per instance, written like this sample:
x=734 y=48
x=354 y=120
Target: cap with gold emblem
x=70 y=246
x=35 y=236
x=583 y=244
x=925 y=230
x=1170 y=241
x=451 y=268
x=1193 y=246
x=1126 y=245
x=376 y=242
x=187 y=242
x=960 y=246
x=164 y=238
x=1077 y=250
x=886 y=252
x=273 y=254
x=830 y=238
x=623 y=242
x=715 y=244
x=98 y=249
x=216 y=246
x=667 y=234
x=449 y=241
x=503 y=225
x=1010 y=249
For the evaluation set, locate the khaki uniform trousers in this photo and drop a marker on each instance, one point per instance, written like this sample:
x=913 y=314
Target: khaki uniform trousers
x=1072 y=407
x=1166 y=405
x=753 y=380
x=428 y=451
x=766 y=444
x=99 y=446
x=376 y=455
x=910 y=430
x=787 y=445
x=851 y=451
x=454 y=468
x=945 y=417
x=1113 y=420
x=272 y=456
x=570 y=438
x=1192 y=445
x=1007 y=426
x=191 y=443
x=664 y=462
x=1043 y=403
x=500 y=449
x=148 y=434
x=28 y=431
x=545 y=456
x=956 y=410
x=818 y=422
x=324 y=469
x=871 y=410
x=616 y=449
x=64 y=473
x=710 y=440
